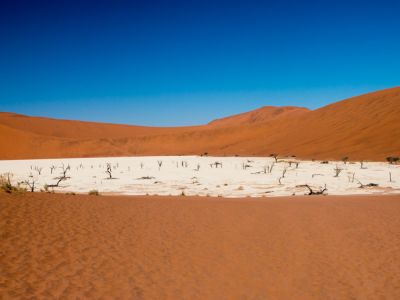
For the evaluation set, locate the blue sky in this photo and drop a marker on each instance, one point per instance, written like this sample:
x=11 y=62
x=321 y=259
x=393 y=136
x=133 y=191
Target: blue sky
x=170 y=63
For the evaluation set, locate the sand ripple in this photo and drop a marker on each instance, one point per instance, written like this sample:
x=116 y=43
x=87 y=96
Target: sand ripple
x=68 y=247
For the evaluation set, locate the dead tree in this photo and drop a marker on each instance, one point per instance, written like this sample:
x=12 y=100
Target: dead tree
x=312 y=192
x=275 y=156
x=216 y=164
x=362 y=165
x=313 y=175
x=271 y=167
x=59 y=179
x=52 y=168
x=279 y=180
x=109 y=171
x=39 y=170
x=351 y=177
x=345 y=159
x=65 y=170
x=198 y=167
x=62 y=177
x=366 y=185
x=30 y=183
x=265 y=168
x=245 y=166
x=284 y=172
x=390 y=176
x=159 y=162
x=337 y=171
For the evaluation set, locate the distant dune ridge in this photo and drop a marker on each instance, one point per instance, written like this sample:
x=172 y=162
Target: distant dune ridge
x=263 y=114
x=363 y=127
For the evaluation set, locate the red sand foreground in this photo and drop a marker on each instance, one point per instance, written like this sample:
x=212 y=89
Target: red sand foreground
x=64 y=246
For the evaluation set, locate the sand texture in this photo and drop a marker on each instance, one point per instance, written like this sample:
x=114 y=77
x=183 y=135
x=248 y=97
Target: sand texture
x=364 y=127
x=56 y=246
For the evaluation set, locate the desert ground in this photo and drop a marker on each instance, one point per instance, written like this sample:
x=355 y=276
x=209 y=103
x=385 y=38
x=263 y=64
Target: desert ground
x=205 y=212
x=204 y=176
x=57 y=246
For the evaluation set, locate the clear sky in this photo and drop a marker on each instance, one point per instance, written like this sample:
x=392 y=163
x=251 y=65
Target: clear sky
x=173 y=63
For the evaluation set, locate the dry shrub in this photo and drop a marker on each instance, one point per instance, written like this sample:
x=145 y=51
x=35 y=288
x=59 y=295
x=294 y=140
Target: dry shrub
x=94 y=193
x=7 y=186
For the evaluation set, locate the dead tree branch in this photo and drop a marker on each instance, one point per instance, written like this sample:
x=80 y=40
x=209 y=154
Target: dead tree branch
x=313 y=192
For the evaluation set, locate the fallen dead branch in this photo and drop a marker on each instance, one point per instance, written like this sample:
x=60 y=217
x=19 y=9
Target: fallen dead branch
x=314 y=192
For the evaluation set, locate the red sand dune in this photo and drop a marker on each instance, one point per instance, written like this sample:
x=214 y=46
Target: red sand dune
x=261 y=115
x=56 y=246
x=364 y=127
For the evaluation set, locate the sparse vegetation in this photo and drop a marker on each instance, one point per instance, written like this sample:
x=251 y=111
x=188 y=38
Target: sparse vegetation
x=392 y=159
x=285 y=176
x=7 y=186
x=94 y=193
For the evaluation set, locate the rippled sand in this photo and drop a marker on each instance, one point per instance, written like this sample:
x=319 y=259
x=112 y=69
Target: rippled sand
x=64 y=246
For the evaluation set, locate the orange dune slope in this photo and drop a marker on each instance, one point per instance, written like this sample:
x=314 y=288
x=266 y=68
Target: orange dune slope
x=261 y=115
x=364 y=127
